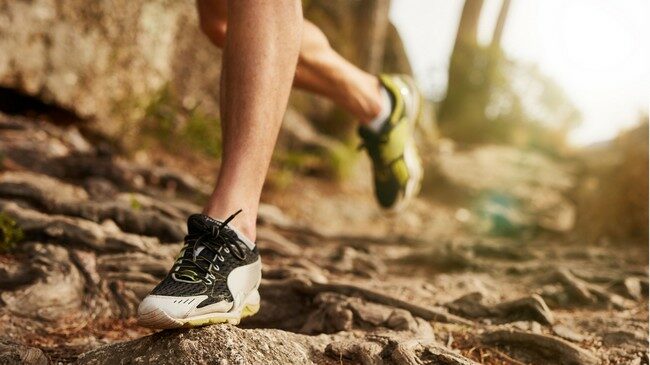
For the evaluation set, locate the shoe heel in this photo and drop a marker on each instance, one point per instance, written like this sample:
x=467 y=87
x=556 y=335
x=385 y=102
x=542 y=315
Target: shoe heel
x=251 y=304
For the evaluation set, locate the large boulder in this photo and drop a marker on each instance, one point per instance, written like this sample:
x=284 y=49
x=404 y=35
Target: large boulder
x=110 y=59
x=222 y=344
x=106 y=58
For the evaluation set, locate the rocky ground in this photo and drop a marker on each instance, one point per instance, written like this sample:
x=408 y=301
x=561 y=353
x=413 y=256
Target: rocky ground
x=95 y=231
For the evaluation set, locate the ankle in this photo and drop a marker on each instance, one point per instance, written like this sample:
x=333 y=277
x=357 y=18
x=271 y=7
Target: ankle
x=244 y=223
x=248 y=230
x=370 y=104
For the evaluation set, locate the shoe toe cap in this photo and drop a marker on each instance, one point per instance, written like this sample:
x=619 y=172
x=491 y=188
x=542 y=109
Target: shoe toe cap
x=175 y=307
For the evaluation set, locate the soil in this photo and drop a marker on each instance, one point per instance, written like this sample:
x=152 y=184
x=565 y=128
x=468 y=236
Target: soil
x=344 y=282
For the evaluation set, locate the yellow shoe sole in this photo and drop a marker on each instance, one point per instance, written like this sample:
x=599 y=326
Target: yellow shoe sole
x=158 y=319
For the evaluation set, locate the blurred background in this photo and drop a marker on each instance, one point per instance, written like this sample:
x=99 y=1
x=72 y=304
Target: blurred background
x=544 y=104
x=534 y=134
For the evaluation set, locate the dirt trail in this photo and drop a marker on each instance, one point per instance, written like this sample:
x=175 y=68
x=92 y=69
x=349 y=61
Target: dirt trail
x=100 y=231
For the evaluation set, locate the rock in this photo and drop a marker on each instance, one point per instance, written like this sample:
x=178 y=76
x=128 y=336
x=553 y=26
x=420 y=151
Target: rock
x=83 y=59
x=528 y=326
x=220 y=344
x=56 y=294
x=11 y=353
x=633 y=288
x=110 y=65
x=567 y=333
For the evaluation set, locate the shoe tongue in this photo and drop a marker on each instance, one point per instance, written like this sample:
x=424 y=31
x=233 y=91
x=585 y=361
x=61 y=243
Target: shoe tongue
x=200 y=223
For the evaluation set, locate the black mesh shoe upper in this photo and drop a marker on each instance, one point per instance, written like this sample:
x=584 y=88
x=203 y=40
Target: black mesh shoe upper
x=211 y=251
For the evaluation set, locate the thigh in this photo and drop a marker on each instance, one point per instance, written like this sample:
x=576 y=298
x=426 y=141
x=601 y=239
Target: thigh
x=212 y=10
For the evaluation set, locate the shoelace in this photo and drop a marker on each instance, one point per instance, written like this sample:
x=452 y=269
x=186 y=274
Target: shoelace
x=219 y=240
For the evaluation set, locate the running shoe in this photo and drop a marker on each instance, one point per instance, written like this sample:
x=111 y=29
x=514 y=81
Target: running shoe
x=214 y=279
x=397 y=169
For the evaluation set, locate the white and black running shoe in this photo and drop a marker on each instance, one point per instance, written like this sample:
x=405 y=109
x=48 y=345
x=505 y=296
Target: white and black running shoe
x=214 y=279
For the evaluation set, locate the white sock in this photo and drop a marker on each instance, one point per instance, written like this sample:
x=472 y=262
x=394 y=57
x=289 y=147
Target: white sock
x=377 y=123
x=247 y=241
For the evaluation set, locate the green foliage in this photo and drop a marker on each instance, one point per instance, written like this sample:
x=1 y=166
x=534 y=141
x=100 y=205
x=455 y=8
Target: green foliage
x=177 y=127
x=342 y=160
x=135 y=203
x=336 y=163
x=10 y=233
x=491 y=99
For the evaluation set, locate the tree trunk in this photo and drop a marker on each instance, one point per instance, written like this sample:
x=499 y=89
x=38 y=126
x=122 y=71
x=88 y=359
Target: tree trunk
x=374 y=27
x=501 y=23
x=461 y=59
x=468 y=25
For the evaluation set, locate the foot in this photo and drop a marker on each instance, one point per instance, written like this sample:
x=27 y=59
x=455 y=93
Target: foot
x=397 y=168
x=214 y=279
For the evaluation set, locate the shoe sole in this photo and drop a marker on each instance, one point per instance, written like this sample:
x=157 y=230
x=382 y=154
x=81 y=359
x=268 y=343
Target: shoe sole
x=411 y=157
x=159 y=319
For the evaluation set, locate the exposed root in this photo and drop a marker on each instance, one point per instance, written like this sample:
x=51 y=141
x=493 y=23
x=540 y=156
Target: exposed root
x=11 y=353
x=314 y=288
x=57 y=197
x=540 y=348
x=531 y=308
x=587 y=293
x=395 y=350
x=102 y=238
x=336 y=312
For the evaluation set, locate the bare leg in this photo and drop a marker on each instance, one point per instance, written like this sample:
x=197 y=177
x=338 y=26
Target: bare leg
x=320 y=69
x=260 y=56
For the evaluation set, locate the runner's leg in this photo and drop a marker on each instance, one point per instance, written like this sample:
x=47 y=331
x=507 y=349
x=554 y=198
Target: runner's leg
x=320 y=69
x=259 y=63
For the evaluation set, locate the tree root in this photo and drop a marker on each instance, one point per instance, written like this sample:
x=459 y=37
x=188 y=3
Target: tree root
x=540 y=348
x=12 y=353
x=531 y=308
x=58 y=291
x=57 y=197
x=102 y=238
x=337 y=312
x=588 y=293
x=374 y=349
x=314 y=288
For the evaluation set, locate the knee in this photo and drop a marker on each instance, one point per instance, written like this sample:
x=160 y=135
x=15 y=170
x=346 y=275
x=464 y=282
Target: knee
x=215 y=29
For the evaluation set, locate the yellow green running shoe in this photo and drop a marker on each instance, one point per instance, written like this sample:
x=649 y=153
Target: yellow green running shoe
x=397 y=168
